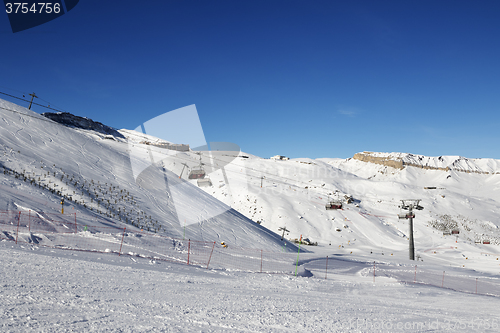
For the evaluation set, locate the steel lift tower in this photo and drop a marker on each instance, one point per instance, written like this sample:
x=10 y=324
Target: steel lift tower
x=409 y=205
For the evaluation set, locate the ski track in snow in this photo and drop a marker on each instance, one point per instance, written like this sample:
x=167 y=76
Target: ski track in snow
x=62 y=291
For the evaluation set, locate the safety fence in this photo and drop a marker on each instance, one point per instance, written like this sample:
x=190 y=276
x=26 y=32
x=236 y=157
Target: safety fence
x=63 y=232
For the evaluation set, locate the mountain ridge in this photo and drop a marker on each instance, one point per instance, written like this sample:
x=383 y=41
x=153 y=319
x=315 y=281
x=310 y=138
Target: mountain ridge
x=443 y=163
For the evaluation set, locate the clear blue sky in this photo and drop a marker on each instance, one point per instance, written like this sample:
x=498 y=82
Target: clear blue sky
x=296 y=78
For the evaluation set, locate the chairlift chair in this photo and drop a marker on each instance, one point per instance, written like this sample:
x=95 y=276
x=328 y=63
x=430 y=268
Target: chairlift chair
x=204 y=182
x=197 y=173
x=401 y=214
x=406 y=215
x=333 y=204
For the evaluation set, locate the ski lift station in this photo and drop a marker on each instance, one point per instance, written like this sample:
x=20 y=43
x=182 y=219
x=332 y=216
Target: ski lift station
x=280 y=158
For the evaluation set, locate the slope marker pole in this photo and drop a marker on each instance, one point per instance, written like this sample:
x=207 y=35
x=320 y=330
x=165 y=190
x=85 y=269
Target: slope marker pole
x=326 y=270
x=121 y=244
x=210 y=258
x=18 y=221
x=297 y=265
x=374 y=272
x=261 y=260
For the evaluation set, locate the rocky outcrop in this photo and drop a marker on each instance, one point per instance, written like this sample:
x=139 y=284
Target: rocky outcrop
x=386 y=161
x=400 y=161
x=70 y=120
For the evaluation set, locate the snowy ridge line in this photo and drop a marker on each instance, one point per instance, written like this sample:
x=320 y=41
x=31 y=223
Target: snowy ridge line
x=189 y=156
x=443 y=163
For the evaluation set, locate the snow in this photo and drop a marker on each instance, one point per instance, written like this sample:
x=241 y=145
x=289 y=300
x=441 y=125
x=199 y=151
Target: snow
x=65 y=291
x=47 y=288
x=93 y=171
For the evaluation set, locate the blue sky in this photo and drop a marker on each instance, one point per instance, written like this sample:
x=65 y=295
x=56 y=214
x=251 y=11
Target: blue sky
x=296 y=78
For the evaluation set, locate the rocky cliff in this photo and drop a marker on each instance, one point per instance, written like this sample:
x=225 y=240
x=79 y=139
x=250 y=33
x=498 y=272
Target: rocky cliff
x=443 y=163
x=70 y=120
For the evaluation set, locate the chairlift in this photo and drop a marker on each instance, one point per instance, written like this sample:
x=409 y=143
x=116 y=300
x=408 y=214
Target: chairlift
x=204 y=182
x=197 y=173
x=406 y=215
x=333 y=204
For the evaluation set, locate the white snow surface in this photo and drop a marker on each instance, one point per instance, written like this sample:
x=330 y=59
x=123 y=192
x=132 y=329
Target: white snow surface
x=49 y=289
x=90 y=165
x=63 y=291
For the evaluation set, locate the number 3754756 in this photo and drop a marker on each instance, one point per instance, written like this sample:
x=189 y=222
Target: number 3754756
x=35 y=8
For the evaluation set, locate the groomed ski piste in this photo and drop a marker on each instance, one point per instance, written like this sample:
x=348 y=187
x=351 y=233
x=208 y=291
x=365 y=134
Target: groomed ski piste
x=118 y=259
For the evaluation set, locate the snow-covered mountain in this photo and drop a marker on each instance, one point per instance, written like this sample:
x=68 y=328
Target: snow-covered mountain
x=444 y=163
x=49 y=289
x=44 y=161
x=95 y=173
x=456 y=193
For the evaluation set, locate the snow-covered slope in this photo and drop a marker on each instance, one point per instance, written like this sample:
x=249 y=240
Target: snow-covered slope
x=47 y=289
x=93 y=170
x=59 y=291
x=44 y=161
x=294 y=194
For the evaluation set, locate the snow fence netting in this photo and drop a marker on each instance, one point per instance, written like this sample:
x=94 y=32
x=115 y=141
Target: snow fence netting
x=62 y=231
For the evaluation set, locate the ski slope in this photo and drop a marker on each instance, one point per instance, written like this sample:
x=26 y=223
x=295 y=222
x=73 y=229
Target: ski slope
x=50 y=289
x=294 y=194
x=96 y=173
x=58 y=291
